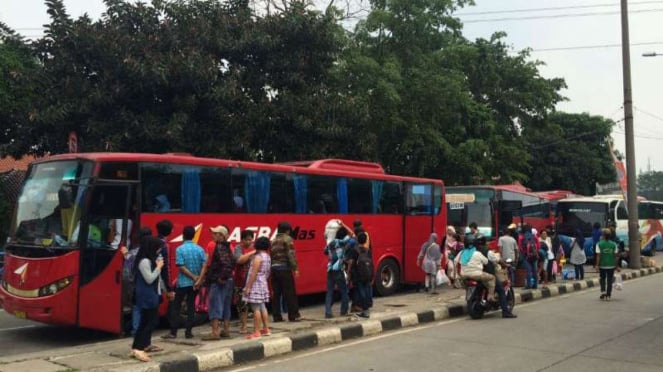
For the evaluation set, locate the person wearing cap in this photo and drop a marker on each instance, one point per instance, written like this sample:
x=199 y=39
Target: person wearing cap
x=190 y=259
x=509 y=249
x=283 y=267
x=219 y=280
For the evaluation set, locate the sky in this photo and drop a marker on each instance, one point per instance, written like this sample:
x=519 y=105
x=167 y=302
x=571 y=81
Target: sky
x=584 y=50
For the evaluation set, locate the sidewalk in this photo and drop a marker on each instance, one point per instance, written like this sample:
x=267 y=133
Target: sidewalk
x=388 y=313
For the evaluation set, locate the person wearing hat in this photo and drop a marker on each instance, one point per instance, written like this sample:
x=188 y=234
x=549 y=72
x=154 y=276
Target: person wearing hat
x=219 y=281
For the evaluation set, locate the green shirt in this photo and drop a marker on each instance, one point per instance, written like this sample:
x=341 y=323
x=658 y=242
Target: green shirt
x=607 y=250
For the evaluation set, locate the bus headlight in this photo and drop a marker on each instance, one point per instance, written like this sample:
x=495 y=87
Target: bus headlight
x=54 y=287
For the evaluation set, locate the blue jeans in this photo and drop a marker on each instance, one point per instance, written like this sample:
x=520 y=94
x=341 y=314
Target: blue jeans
x=220 y=298
x=135 y=319
x=336 y=279
x=363 y=295
x=499 y=289
x=531 y=277
x=580 y=271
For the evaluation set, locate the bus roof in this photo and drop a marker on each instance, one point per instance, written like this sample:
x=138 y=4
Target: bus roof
x=336 y=167
x=598 y=198
x=557 y=194
x=515 y=187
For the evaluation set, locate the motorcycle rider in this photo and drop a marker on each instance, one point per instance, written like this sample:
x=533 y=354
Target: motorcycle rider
x=471 y=266
x=480 y=243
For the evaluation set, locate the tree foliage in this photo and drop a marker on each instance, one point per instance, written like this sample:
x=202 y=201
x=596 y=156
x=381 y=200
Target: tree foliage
x=650 y=185
x=278 y=80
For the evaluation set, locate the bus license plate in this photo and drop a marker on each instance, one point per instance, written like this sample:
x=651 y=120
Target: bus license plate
x=19 y=314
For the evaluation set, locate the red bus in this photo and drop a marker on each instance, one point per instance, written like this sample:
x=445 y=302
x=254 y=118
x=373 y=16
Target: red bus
x=495 y=207
x=62 y=267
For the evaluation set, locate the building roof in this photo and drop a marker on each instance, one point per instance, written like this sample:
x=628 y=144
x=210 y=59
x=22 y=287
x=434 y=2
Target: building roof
x=9 y=163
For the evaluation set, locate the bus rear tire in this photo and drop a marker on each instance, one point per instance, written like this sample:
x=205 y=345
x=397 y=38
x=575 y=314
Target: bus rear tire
x=388 y=278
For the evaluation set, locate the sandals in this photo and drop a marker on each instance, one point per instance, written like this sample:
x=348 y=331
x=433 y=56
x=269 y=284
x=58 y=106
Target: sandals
x=265 y=332
x=253 y=335
x=140 y=355
x=153 y=349
x=210 y=337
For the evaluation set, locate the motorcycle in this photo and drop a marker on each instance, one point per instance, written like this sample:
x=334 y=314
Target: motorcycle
x=476 y=295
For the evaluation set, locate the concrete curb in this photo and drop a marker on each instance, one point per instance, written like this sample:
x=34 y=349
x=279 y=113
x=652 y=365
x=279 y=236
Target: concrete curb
x=269 y=347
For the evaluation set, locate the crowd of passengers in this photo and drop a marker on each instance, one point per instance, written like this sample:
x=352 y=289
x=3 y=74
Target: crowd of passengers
x=542 y=255
x=247 y=275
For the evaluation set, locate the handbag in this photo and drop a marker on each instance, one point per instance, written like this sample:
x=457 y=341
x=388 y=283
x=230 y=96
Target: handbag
x=441 y=277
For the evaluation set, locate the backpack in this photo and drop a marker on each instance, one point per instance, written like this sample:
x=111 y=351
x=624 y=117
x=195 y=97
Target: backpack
x=364 y=266
x=529 y=250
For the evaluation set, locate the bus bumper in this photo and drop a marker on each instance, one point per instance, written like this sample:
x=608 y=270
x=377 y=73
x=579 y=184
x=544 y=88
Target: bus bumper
x=58 y=309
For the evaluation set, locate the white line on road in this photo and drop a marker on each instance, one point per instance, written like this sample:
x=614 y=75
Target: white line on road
x=17 y=328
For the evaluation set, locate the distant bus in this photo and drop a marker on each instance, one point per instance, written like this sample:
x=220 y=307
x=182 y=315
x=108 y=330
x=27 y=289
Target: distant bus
x=580 y=214
x=495 y=207
x=62 y=265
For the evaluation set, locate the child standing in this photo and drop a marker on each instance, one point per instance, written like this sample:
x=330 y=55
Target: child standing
x=256 y=291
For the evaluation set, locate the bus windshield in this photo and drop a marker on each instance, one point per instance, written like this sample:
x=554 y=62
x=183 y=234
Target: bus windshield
x=581 y=215
x=47 y=209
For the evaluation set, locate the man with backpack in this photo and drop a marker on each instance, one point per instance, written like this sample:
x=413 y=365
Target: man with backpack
x=360 y=269
x=529 y=256
x=219 y=279
x=336 y=274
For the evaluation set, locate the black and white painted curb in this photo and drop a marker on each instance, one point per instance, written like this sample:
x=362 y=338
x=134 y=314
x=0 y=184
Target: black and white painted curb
x=274 y=346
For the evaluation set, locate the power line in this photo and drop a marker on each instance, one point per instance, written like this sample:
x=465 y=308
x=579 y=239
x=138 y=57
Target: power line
x=597 y=46
x=568 y=15
x=648 y=114
x=529 y=10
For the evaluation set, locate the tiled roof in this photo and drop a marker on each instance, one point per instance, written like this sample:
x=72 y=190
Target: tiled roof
x=9 y=163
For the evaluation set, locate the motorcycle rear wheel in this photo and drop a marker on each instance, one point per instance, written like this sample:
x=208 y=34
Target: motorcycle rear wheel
x=475 y=309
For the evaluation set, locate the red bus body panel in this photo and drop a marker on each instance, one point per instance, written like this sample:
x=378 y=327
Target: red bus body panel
x=59 y=308
x=100 y=301
x=385 y=231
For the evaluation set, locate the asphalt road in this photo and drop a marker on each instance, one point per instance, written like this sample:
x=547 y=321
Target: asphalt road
x=19 y=336
x=574 y=332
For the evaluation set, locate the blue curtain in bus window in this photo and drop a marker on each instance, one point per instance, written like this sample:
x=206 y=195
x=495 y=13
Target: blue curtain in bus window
x=301 y=193
x=191 y=191
x=256 y=190
x=376 y=193
x=342 y=194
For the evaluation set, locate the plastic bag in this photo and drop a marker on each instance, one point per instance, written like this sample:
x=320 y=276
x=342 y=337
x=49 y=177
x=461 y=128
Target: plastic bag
x=441 y=277
x=619 y=283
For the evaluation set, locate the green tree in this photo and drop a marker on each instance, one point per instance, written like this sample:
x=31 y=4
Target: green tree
x=17 y=91
x=205 y=77
x=650 y=185
x=571 y=152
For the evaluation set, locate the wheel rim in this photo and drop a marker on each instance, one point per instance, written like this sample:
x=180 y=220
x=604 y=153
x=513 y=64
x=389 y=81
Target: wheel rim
x=387 y=276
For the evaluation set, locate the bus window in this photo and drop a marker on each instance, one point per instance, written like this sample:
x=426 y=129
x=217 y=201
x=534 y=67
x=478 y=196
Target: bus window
x=621 y=212
x=216 y=192
x=162 y=187
x=281 y=193
x=437 y=199
x=419 y=199
x=390 y=197
x=359 y=196
x=322 y=194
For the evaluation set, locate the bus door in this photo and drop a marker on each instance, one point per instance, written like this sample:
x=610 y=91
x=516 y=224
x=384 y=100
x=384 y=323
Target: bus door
x=106 y=225
x=419 y=224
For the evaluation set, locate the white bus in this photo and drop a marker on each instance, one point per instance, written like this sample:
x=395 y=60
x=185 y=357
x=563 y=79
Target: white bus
x=582 y=213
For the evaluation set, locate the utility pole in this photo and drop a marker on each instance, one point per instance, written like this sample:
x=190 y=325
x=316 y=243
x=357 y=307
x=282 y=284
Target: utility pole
x=632 y=189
